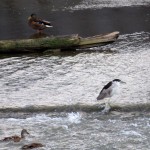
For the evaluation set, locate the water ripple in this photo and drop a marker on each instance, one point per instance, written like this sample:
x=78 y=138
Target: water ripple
x=98 y=4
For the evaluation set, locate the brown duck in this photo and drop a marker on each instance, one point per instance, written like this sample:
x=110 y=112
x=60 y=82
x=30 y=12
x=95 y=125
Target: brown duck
x=32 y=145
x=38 y=24
x=16 y=138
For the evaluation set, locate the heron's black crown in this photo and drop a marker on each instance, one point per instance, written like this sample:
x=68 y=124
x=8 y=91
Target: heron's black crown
x=117 y=80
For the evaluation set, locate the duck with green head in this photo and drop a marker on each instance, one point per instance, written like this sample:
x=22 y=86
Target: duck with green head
x=38 y=24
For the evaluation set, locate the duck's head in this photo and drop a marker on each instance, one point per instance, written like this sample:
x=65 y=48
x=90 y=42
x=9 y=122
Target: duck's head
x=23 y=133
x=33 y=16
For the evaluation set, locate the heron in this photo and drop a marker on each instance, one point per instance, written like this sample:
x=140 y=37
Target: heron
x=108 y=91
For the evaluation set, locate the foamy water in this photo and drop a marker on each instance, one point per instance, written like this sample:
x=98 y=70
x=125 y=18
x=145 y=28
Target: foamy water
x=98 y=4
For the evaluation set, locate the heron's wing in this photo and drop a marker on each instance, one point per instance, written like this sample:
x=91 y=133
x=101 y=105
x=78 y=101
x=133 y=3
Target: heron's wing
x=107 y=86
x=103 y=92
x=102 y=95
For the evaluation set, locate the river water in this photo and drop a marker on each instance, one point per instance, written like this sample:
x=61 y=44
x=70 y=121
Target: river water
x=53 y=95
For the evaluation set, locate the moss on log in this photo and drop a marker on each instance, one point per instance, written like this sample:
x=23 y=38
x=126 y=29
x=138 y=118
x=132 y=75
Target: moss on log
x=39 y=44
x=59 y=42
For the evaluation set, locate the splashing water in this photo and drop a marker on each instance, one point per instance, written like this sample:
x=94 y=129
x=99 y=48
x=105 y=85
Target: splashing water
x=74 y=117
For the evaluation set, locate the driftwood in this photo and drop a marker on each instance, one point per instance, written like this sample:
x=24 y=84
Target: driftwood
x=59 y=42
x=98 y=40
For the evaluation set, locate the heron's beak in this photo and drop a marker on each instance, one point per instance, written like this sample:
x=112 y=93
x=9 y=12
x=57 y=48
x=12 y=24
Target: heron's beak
x=123 y=82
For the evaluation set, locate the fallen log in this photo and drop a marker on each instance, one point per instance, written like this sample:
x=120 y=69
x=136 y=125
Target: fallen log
x=58 y=42
x=98 y=40
x=38 y=44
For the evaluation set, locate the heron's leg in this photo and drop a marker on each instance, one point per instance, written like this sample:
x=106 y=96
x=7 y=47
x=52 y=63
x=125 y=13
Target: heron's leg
x=108 y=103
x=107 y=107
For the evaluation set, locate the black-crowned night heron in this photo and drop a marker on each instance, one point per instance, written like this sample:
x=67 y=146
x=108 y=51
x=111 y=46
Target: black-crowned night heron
x=108 y=91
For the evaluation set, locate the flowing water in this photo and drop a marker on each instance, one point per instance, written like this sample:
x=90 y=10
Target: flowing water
x=39 y=91
x=75 y=131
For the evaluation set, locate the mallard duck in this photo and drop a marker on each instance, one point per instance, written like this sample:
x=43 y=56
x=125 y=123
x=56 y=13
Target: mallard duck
x=38 y=24
x=16 y=138
x=32 y=145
